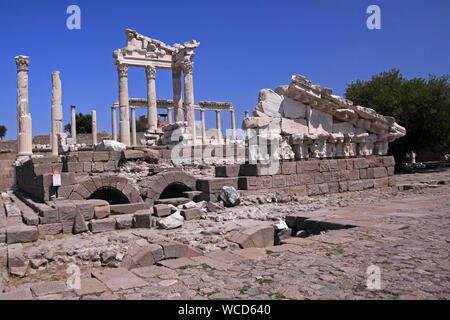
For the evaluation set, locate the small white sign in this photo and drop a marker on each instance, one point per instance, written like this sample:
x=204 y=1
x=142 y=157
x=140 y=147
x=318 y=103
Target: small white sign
x=56 y=178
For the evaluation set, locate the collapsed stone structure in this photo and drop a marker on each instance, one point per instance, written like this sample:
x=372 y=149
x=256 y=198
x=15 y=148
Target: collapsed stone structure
x=301 y=141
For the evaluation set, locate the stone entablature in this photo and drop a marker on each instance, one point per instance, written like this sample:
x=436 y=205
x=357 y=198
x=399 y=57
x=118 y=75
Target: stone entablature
x=318 y=124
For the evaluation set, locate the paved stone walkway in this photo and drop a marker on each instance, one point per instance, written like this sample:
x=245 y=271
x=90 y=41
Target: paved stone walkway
x=406 y=235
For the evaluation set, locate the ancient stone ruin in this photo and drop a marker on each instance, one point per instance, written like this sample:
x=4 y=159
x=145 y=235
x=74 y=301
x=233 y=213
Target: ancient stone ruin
x=300 y=141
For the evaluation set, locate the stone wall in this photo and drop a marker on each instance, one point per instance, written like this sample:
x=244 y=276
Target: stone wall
x=7 y=173
x=303 y=178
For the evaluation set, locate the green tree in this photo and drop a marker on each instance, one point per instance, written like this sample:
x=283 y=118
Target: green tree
x=422 y=106
x=2 y=132
x=84 y=124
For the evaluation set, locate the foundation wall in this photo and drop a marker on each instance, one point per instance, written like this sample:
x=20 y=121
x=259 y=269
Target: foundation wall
x=303 y=178
x=7 y=173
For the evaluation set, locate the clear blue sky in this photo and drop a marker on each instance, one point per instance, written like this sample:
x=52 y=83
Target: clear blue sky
x=245 y=46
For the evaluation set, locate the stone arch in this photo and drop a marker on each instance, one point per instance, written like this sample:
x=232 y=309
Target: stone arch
x=152 y=187
x=88 y=185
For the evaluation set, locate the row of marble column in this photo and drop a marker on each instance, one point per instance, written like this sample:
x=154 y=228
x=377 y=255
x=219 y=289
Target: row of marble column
x=169 y=116
x=150 y=71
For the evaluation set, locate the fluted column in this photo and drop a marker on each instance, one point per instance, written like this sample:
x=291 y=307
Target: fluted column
x=124 y=108
x=57 y=126
x=202 y=116
x=177 y=99
x=152 y=110
x=219 y=127
x=114 y=123
x=94 y=127
x=248 y=130
x=188 y=67
x=233 y=126
x=169 y=115
x=73 y=123
x=133 y=126
x=24 y=132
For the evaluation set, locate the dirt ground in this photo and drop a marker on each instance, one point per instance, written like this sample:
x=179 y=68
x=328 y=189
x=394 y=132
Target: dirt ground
x=403 y=234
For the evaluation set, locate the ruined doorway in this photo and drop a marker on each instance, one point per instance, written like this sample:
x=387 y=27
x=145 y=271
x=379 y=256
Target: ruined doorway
x=111 y=195
x=174 y=190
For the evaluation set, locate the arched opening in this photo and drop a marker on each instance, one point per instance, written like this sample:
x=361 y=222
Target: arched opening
x=110 y=194
x=174 y=190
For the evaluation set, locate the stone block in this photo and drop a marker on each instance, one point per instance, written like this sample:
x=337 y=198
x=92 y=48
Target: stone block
x=50 y=229
x=101 y=156
x=102 y=225
x=21 y=233
x=323 y=188
x=375 y=161
x=333 y=187
x=162 y=210
x=260 y=169
x=129 y=208
x=288 y=167
x=298 y=191
x=392 y=181
x=353 y=174
x=312 y=189
x=90 y=286
x=291 y=180
x=66 y=211
x=124 y=221
x=251 y=253
x=118 y=279
x=97 y=167
x=349 y=163
x=389 y=161
x=342 y=165
x=85 y=208
x=279 y=181
x=101 y=212
x=368 y=183
x=363 y=173
x=318 y=178
x=133 y=154
x=343 y=186
x=67 y=226
x=79 y=225
x=360 y=163
x=305 y=178
x=374 y=173
x=228 y=170
x=48 y=215
x=254 y=183
x=256 y=237
x=381 y=182
x=191 y=214
x=355 y=185
x=110 y=166
x=309 y=165
x=178 y=250
x=87 y=166
x=214 y=185
x=30 y=218
x=142 y=219
x=85 y=156
x=319 y=121
x=390 y=171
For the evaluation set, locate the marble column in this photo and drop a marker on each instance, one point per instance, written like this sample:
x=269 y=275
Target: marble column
x=248 y=130
x=219 y=127
x=177 y=99
x=94 y=127
x=24 y=133
x=169 y=115
x=124 y=109
x=188 y=67
x=202 y=116
x=114 y=123
x=57 y=126
x=152 y=110
x=133 y=126
x=233 y=126
x=73 y=123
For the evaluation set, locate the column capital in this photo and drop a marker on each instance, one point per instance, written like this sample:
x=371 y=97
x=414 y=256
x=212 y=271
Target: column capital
x=22 y=63
x=150 y=72
x=188 y=67
x=122 y=69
